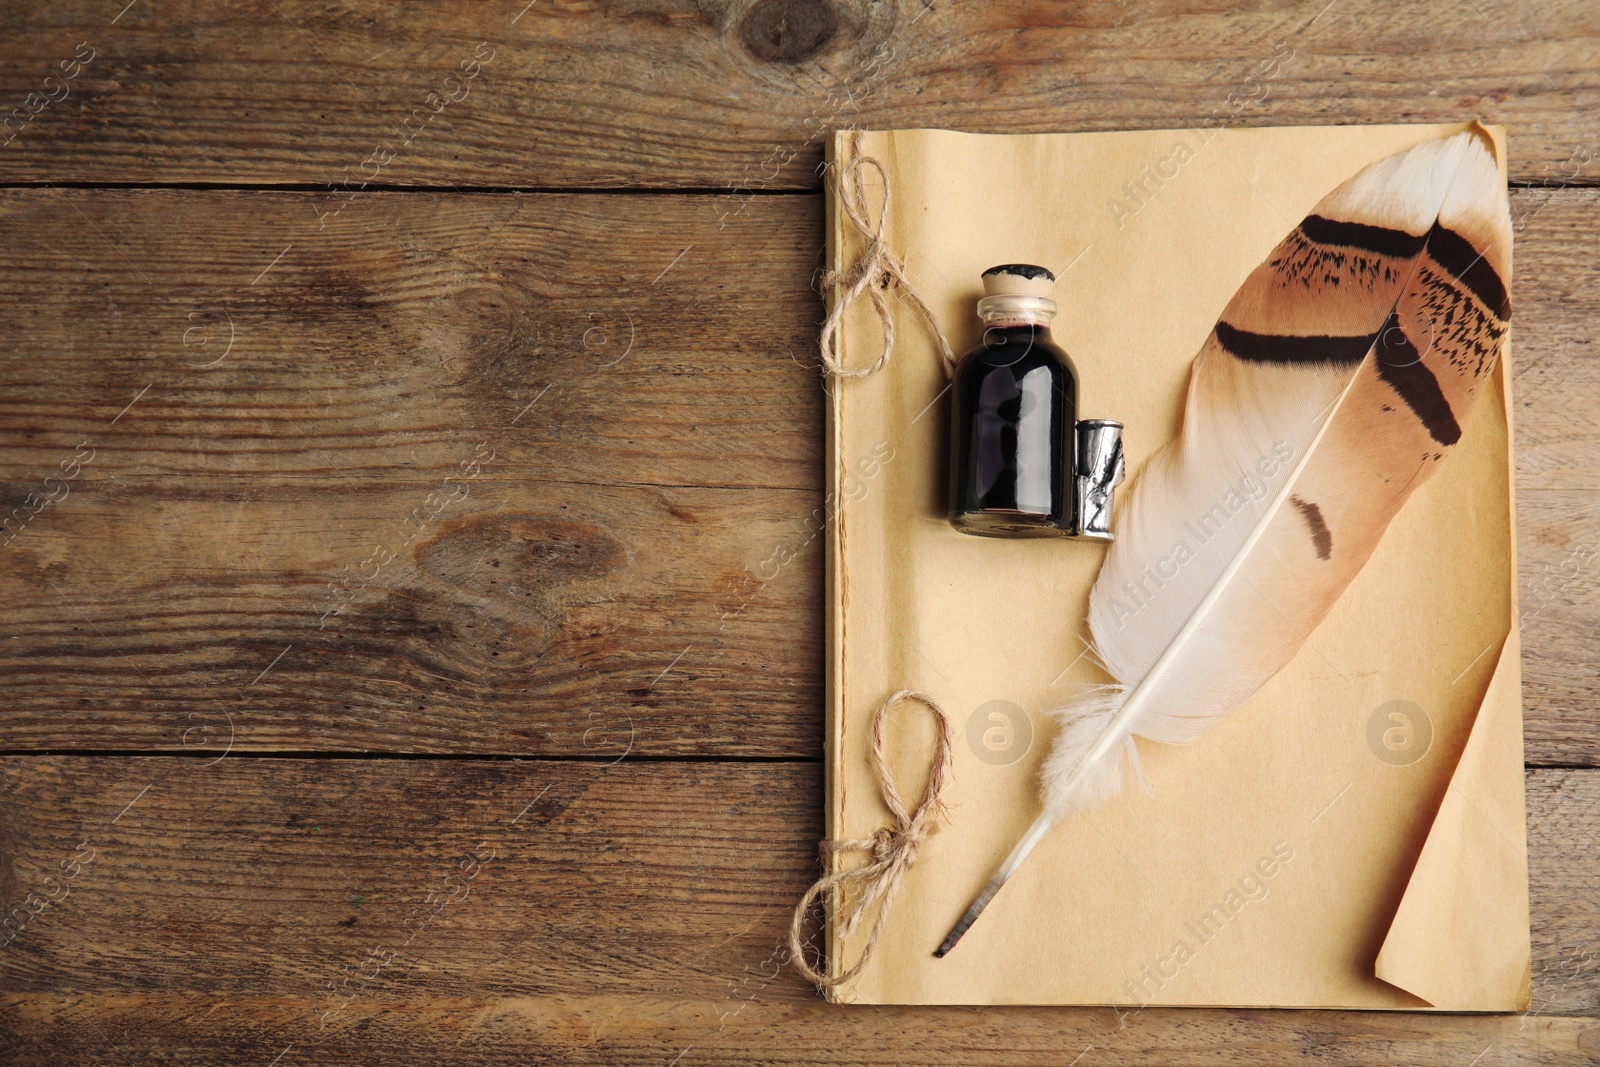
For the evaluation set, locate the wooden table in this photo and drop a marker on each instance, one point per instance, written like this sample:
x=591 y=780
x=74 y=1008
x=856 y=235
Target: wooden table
x=396 y=402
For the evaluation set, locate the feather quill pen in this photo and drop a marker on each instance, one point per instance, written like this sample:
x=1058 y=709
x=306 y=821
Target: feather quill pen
x=1337 y=379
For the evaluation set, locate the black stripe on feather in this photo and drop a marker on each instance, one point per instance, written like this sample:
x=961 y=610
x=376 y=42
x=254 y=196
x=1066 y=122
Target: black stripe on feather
x=1401 y=366
x=1455 y=254
x=1291 y=348
x=1321 y=536
x=1380 y=239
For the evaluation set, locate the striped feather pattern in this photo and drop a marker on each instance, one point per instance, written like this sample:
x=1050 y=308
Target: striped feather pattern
x=1337 y=379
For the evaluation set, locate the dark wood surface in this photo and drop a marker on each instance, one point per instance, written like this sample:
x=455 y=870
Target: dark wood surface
x=537 y=411
x=652 y=443
x=548 y=911
x=733 y=94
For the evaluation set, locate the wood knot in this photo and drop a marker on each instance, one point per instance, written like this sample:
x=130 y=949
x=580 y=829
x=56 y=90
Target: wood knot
x=511 y=586
x=788 y=31
x=487 y=553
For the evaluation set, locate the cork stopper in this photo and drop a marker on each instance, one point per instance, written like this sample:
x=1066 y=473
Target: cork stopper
x=1018 y=279
x=1016 y=294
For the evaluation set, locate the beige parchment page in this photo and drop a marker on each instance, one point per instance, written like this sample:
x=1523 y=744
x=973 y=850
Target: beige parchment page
x=1269 y=864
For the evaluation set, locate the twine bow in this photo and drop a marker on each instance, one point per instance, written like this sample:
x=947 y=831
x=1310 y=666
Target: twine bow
x=891 y=851
x=874 y=270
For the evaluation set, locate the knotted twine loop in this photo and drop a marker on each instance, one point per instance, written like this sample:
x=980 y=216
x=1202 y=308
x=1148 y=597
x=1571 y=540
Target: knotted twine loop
x=872 y=273
x=892 y=850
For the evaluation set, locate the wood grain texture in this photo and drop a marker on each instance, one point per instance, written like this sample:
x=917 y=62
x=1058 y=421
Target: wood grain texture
x=554 y=460
x=1557 y=428
x=737 y=94
x=329 y=469
x=636 y=555
x=553 y=912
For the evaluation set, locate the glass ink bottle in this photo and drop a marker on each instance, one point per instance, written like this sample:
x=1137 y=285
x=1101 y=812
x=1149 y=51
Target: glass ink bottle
x=1021 y=464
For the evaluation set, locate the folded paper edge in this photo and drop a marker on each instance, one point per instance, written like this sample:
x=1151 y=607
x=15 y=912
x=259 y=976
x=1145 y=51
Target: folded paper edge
x=1420 y=943
x=833 y=574
x=1430 y=951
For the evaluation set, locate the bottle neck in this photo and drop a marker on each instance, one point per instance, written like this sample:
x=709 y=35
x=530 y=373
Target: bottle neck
x=1016 y=310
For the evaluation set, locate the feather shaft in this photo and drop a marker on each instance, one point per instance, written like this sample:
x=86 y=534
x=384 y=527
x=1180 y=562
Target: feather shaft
x=1036 y=833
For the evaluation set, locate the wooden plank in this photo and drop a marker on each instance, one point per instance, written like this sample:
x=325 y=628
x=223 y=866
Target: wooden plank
x=1566 y=946
x=528 y=618
x=595 y=338
x=532 y=451
x=1557 y=394
x=1557 y=387
x=739 y=96
x=570 y=913
x=641 y=547
x=1559 y=560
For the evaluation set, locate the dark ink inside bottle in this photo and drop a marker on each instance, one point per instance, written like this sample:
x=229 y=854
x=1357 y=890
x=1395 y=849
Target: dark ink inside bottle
x=1015 y=400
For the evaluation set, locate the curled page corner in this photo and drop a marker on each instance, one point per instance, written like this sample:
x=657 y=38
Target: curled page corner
x=1460 y=937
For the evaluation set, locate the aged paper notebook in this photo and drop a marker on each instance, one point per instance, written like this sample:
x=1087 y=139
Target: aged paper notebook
x=1352 y=836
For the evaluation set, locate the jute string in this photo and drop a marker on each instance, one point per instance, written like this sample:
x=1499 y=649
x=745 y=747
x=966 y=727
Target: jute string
x=874 y=270
x=891 y=851
x=870 y=889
